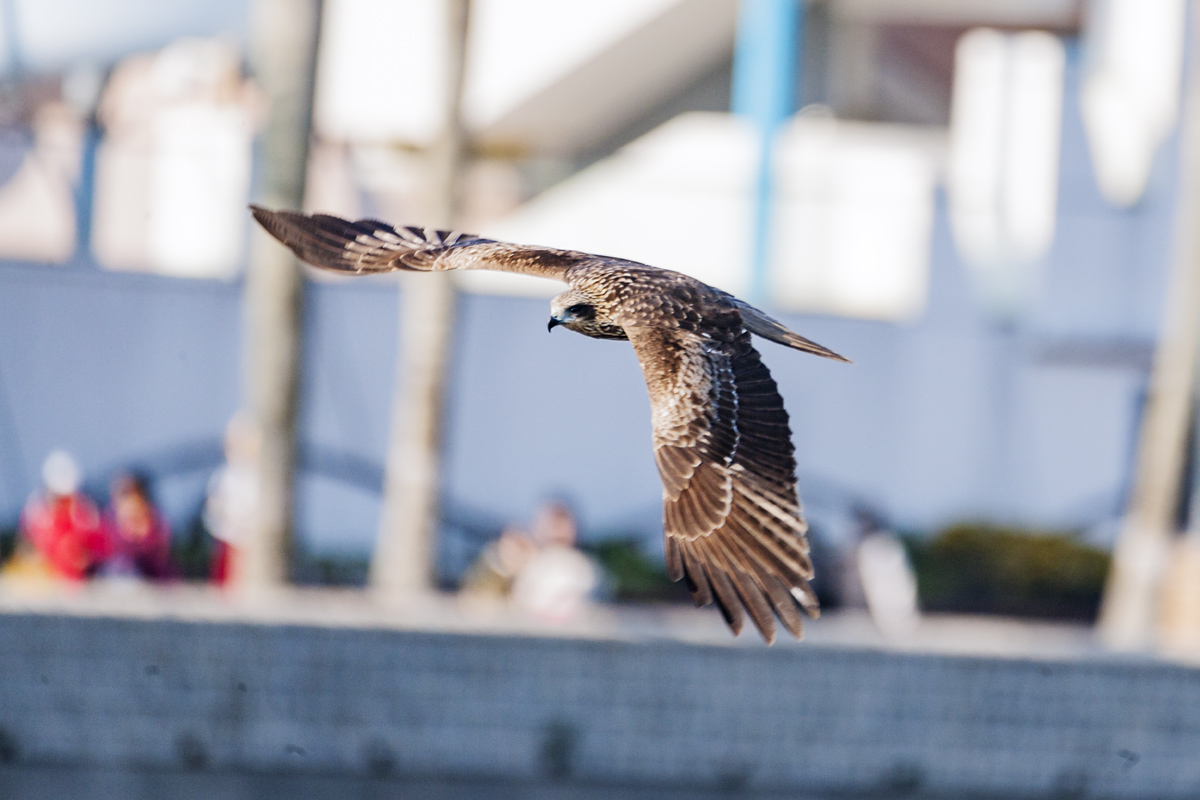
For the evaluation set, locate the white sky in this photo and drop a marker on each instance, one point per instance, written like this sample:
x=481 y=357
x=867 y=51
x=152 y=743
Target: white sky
x=57 y=34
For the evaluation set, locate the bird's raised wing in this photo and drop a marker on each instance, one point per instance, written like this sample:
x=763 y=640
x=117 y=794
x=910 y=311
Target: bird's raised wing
x=731 y=518
x=368 y=245
x=769 y=328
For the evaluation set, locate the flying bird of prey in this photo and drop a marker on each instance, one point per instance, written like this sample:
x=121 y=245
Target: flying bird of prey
x=733 y=526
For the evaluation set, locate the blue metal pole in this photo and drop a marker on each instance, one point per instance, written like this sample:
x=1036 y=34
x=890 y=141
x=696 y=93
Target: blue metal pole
x=85 y=192
x=765 y=66
x=12 y=38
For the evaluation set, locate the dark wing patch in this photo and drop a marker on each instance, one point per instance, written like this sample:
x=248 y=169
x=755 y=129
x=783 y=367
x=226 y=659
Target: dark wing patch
x=365 y=245
x=368 y=246
x=732 y=522
x=770 y=328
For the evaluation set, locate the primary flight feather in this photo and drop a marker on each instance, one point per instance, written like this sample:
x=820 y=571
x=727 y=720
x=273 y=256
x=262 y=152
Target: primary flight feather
x=731 y=518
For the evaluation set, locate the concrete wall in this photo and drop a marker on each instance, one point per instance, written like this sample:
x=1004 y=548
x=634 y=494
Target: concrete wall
x=97 y=697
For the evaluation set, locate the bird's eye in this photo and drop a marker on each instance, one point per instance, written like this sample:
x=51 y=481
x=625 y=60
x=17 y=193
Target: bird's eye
x=577 y=309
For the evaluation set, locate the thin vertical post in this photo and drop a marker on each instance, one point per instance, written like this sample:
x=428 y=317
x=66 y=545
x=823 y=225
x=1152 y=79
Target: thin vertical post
x=404 y=553
x=283 y=59
x=85 y=190
x=1130 y=606
x=765 y=65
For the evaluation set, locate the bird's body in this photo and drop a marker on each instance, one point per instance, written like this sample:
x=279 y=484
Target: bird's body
x=732 y=520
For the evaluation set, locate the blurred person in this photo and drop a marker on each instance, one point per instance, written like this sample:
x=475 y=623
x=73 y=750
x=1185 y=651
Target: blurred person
x=139 y=539
x=889 y=584
x=231 y=511
x=850 y=591
x=876 y=575
x=491 y=577
x=557 y=581
x=554 y=525
x=63 y=526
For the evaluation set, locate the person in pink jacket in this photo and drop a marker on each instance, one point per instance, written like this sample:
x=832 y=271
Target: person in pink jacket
x=139 y=539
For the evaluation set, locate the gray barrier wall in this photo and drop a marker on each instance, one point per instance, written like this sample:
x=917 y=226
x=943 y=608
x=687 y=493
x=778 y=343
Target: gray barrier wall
x=190 y=699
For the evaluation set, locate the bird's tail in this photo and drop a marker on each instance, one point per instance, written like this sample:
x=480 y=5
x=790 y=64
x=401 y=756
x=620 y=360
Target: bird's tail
x=758 y=322
x=363 y=246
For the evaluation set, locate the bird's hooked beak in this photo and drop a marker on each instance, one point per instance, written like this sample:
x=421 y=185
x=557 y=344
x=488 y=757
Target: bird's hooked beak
x=560 y=316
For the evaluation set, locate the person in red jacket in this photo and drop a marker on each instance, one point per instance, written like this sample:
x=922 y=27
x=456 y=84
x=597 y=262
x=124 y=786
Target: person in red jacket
x=62 y=524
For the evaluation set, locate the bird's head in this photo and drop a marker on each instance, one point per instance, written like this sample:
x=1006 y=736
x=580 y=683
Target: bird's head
x=575 y=311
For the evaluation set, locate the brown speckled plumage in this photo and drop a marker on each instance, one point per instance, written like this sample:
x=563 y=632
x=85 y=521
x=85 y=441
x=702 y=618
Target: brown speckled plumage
x=732 y=521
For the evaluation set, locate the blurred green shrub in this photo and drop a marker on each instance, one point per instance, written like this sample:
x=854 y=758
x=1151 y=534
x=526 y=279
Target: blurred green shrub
x=191 y=552
x=8 y=542
x=633 y=575
x=311 y=569
x=985 y=569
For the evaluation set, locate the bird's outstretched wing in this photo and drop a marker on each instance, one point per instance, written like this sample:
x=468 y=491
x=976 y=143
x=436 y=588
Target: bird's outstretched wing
x=769 y=328
x=731 y=518
x=368 y=245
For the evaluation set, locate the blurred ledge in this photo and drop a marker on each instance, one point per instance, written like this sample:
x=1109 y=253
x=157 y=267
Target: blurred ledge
x=993 y=637
x=86 y=273
x=1055 y=14
x=1095 y=352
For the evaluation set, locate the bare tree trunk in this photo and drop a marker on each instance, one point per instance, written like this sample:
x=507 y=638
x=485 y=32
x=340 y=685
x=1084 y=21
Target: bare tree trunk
x=1131 y=597
x=283 y=60
x=403 y=559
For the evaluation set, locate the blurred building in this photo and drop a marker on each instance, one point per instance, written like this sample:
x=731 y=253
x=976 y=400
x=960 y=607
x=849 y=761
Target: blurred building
x=999 y=382
x=173 y=173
